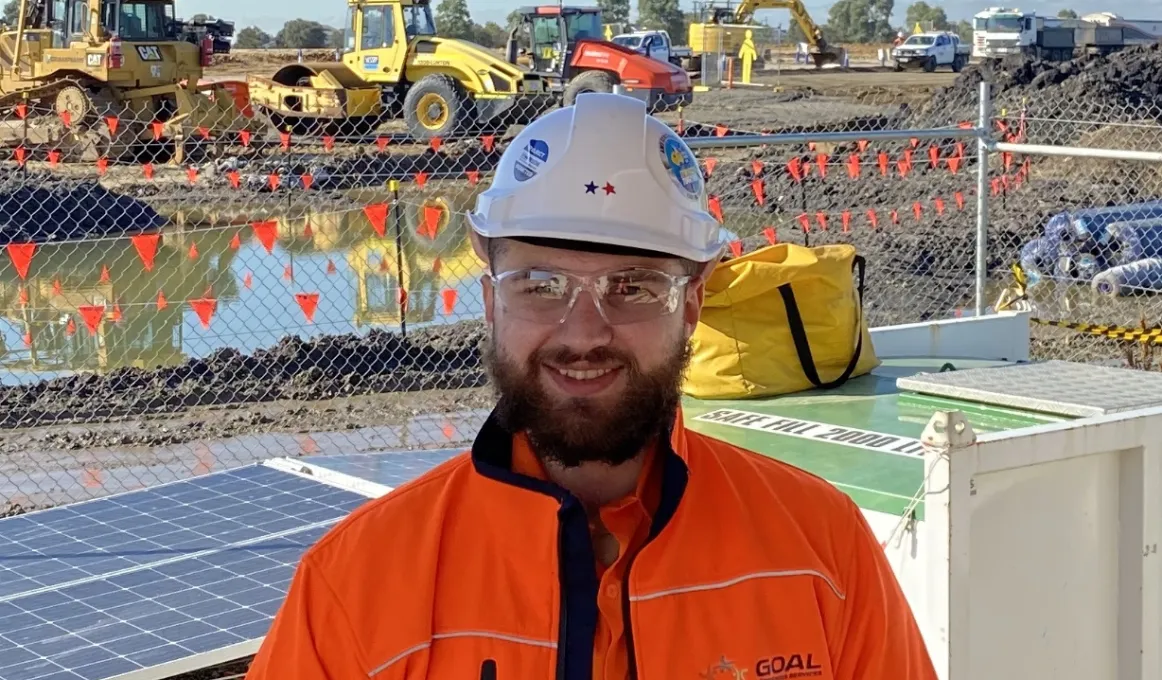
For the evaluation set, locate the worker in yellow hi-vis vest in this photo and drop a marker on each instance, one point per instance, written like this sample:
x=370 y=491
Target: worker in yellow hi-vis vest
x=747 y=53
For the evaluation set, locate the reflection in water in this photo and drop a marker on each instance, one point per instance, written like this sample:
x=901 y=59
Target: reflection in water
x=423 y=262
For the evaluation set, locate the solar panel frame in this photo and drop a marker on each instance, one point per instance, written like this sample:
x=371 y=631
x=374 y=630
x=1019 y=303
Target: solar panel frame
x=379 y=470
x=161 y=578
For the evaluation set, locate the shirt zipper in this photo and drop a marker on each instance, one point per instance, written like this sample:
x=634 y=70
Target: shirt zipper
x=627 y=621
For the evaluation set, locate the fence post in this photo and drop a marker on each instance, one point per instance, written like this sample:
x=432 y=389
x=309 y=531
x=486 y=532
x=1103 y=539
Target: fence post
x=982 y=195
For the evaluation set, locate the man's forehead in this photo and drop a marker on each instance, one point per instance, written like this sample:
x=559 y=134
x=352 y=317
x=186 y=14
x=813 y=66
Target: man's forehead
x=577 y=257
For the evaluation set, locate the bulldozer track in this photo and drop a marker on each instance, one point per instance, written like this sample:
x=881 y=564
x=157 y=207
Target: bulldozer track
x=11 y=99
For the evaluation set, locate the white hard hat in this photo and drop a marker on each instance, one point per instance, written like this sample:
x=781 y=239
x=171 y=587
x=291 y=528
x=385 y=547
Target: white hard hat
x=601 y=171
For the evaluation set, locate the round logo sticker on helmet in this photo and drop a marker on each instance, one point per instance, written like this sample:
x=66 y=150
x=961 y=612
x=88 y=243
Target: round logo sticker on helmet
x=681 y=166
x=535 y=154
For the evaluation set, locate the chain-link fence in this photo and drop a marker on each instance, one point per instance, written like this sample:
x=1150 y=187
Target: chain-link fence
x=186 y=289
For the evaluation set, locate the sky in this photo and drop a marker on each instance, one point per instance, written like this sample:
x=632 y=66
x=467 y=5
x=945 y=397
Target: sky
x=270 y=15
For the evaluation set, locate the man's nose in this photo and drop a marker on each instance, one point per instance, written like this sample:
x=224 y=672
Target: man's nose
x=584 y=326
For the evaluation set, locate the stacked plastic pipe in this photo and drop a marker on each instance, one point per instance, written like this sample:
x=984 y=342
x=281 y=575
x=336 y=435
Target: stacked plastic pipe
x=1117 y=250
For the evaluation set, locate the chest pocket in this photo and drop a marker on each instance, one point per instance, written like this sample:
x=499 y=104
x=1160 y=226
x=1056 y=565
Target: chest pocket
x=468 y=655
x=762 y=627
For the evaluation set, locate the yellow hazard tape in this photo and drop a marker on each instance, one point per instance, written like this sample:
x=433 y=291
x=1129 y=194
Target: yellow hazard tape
x=1145 y=336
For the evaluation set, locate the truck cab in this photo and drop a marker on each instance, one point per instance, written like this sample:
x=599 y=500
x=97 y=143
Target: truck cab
x=653 y=44
x=931 y=50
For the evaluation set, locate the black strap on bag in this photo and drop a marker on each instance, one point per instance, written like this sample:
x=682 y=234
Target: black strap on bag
x=799 y=333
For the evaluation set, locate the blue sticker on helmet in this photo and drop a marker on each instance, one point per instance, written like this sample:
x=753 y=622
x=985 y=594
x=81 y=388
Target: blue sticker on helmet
x=535 y=154
x=681 y=166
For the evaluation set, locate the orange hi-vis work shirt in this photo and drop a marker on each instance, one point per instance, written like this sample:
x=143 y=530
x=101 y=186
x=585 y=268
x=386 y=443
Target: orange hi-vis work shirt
x=483 y=569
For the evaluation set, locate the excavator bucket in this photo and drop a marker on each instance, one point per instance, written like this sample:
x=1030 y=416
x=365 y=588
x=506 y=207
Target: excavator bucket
x=213 y=109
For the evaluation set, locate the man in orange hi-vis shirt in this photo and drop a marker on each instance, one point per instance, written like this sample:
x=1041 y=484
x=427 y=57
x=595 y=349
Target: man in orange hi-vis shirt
x=588 y=534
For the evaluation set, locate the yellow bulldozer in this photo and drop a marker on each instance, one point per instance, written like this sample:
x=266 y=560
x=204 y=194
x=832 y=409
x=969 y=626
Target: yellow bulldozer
x=70 y=67
x=722 y=26
x=394 y=66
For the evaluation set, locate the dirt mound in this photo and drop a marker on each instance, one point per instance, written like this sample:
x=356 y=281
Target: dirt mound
x=41 y=206
x=1121 y=87
x=441 y=357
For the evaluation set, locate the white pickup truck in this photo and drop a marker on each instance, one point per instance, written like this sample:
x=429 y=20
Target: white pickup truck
x=656 y=45
x=930 y=50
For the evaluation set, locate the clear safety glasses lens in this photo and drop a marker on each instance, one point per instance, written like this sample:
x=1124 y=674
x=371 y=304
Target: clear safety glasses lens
x=626 y=296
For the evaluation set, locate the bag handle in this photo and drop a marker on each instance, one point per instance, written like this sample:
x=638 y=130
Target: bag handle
x=799 y=332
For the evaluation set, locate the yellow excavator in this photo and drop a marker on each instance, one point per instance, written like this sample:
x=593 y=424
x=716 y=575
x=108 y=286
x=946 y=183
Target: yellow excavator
x=393 y=66
x=723 y=26
x=67 y=67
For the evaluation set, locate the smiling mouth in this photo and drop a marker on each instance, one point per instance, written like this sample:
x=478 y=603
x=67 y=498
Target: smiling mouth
x=586 y=374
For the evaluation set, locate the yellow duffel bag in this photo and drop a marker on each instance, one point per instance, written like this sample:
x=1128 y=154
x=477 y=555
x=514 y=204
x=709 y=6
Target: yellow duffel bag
x=781 y=319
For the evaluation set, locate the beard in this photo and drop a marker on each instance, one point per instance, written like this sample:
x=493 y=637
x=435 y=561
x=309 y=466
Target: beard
x=572 y=431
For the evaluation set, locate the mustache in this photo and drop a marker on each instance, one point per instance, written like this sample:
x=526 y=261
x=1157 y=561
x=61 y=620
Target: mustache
x=597 y=355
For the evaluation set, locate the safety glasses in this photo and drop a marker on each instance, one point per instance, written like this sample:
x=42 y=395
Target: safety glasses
x=624 y=296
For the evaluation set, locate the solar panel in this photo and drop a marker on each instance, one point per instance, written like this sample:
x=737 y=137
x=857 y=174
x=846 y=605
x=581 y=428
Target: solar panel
x=389 y=469
x=155 y=579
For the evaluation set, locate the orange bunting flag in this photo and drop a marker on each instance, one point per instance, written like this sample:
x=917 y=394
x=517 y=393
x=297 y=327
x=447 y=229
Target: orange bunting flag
x=273 y=181
x=908 y=158
x=895 y=216
x=102 y=166
x=959 y=201
x=846 y=217
x=267 y=233
x=67 y=118
x=308 y=302
x=146 y=247
x=22 y=111
x=21 y=155
x=203 y=132
x=805 y=223
x=158 y=128
x=23 y=296
x=204 y=308
x=331 y=269
x=810 y=146
x=308 y=180
x=954 y=164
x=384 y=267
x=1007 y=158
x=771 y=236
x=56 y=287
x=715 y=205
x=147 y=169
x=193 y=251
x=435 y=143
x=720 y=130
x=736 y=248
x=437 y=265
x=473 y=177
x=192 y=174
x=421 y=179
x=862 y=145
x=883 y=160
x=71 y=328
x=853 y=166
x=1005 y=182
x=933 y=156
x=377 y=215
x=328 y=143
x=904 y=166
x=711 y=163
x=449 y=297
x=806 y=169
x=92 y=316
x=1025 y=168
x=284 y=139
x=917 y=209
x=914 y=142
x=795 y=167
x=821 y=161
x=162 y=303
x=432 y=216
x=117 y=312
x=248 y=280
x=235 y=179
x=236 y=242
x=873 y=218
x=54 y=157
x=308 y=232
x=382 y=142
x=244 y=137
x=939 y=202
x=288 y=273
x=488 y=141
x=28 y=338
x=821 y=219
x=21 y=256
x=401 y=296
x=756 y=168
x=105 y=278
x=757 y=187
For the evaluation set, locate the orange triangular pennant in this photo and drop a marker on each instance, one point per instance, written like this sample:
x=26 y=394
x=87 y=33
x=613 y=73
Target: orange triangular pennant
x=771 y=236
x=308 y=302
x=449 y=297
x=92 y=316
x=421 y=179
x=473 y=177
x=162 y=303
x=146 y=246
x=204 y=308
x=432 y=215
x=21 y=256
x=267 y=233
x=377 y=215
x=105 y=278
x=736 y=248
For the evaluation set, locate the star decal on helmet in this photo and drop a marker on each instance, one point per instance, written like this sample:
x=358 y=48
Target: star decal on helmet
x=591 y=188
x=609 y=189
